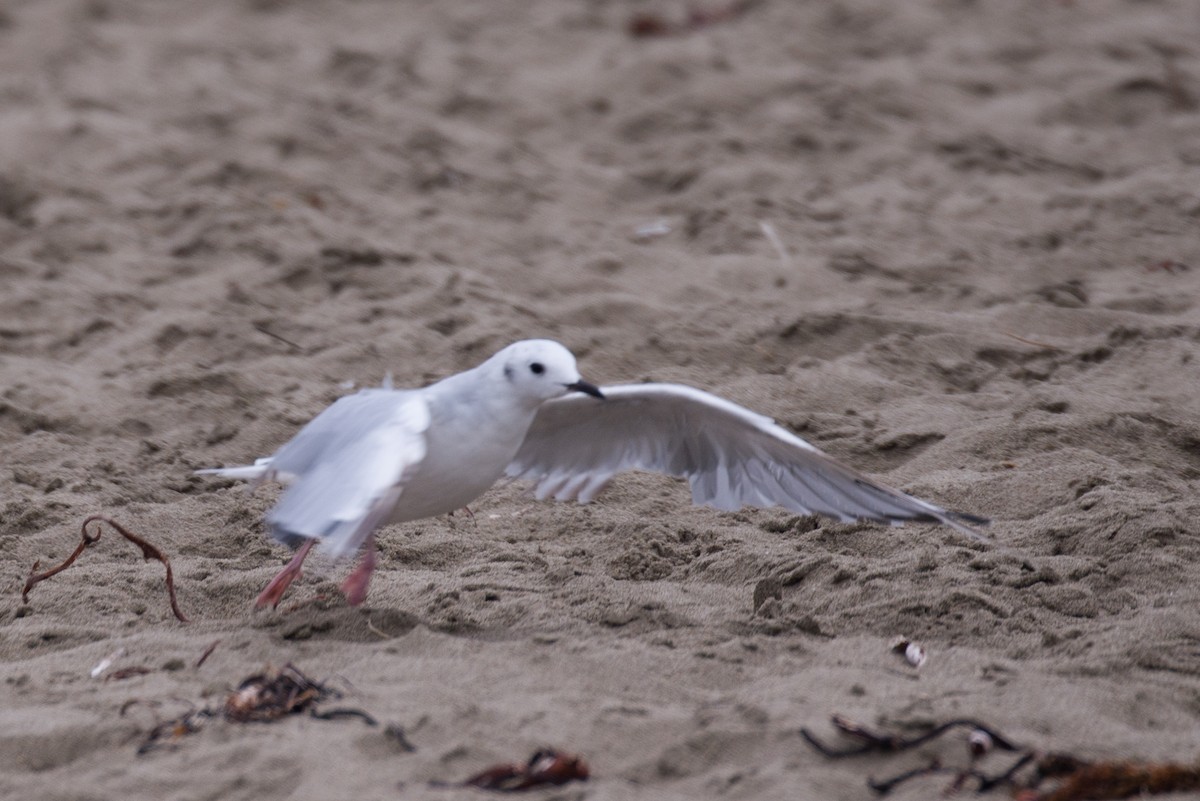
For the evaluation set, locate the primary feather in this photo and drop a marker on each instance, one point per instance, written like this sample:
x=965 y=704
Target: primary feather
x=731 y=457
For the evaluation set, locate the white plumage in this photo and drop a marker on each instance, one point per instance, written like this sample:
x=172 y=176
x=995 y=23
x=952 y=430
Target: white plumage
x=386 y=455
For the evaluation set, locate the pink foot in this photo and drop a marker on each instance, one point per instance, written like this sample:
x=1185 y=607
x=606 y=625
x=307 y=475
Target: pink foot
x=273 y=594
x=355 y=585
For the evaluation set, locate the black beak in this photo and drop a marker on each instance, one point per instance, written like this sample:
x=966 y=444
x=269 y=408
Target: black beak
x=586 y=388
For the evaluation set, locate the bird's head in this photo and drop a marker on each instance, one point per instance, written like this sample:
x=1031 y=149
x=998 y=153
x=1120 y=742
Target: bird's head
x=541 y=370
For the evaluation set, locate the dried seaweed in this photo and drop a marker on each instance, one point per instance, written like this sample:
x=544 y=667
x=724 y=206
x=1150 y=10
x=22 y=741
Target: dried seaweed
x=1077 y=779
x=1117 y=779
x=270 y=696
x=643 y=25
x=168 y=733
x=149 y=551
x=261 y=698
x=546 y=767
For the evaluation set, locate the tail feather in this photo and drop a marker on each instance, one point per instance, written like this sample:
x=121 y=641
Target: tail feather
x=967 y=524
x=245 y=472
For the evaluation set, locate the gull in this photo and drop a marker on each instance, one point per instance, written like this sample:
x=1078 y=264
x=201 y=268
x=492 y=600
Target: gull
x=387 y=455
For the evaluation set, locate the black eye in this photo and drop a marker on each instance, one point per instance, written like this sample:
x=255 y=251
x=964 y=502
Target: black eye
x=537 y=368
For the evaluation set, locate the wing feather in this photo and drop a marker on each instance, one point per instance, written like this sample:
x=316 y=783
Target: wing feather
x=350 y=464
x=730 y=456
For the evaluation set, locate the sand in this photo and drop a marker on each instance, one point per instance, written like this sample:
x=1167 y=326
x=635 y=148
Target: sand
x=952 y=243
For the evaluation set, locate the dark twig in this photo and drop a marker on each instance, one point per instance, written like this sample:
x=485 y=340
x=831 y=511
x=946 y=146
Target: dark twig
x=885 y=786
x=149 y=551
x=344 y=712
x=648 y=24
x=127 y=673
x=1008 y=777
x=262 y=329
x=1034 y=342
x=395 y=732
x=207 y=653
x=1168 y=266
x=874 y=742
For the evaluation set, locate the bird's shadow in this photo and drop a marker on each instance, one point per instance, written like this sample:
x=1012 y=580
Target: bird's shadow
x=331 y=618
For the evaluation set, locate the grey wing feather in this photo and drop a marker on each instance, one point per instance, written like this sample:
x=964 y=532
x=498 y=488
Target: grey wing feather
x=731 y=456
x=350 y=464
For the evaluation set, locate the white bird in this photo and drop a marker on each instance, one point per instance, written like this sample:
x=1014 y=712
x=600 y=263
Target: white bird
x=389 y=456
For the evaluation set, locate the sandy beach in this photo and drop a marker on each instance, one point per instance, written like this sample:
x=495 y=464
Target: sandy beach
x=952 y=243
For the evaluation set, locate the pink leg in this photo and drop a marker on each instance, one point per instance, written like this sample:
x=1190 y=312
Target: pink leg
x=273 y=594
x=355 y=585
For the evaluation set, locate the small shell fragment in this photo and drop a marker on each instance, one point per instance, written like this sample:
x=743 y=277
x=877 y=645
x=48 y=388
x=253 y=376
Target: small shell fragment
x=980 y=742
x=651 y=230
x=105 y=663
x=913 y=653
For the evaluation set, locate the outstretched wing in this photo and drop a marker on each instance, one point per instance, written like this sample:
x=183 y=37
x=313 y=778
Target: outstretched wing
x=348 y=467
x=731 y=456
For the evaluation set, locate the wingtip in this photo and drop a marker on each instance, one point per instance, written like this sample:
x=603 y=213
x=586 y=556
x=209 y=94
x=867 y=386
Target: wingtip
x=974 y=520
x=968 y=524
